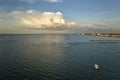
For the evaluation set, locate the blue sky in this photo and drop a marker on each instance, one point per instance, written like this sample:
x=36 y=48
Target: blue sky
x=47 y=16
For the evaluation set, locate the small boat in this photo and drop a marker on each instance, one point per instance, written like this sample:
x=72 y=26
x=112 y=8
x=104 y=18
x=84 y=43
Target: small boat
x=96 y=66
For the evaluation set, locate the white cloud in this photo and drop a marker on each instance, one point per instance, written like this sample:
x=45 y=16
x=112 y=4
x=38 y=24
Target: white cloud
x=72 y=24
x=30 y=11
x=93 y=25
x=53 y=1
x=44 y=20
x=33 y=1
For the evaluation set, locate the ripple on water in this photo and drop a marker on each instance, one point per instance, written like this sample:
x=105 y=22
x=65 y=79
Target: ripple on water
x=64 y=58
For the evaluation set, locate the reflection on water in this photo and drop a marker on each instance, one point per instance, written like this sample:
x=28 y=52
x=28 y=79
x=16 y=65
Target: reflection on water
x=57 y=57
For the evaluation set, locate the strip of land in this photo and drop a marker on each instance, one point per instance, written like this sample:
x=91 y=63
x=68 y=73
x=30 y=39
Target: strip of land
x=117 y=35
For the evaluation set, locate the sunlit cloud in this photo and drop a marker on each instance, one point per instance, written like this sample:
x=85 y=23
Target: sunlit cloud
x=32 y=21
x=44 y=20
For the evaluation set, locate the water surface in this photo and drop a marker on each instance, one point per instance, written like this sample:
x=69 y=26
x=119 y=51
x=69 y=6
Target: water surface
x=58 y=57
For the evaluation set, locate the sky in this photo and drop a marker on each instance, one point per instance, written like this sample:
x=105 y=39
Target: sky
x=59 y=16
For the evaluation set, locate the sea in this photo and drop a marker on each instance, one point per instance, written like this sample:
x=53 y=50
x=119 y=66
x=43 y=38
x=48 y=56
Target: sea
x=58 y=57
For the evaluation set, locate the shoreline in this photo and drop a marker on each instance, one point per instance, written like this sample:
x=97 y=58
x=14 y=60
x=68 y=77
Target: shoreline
x=102 y=34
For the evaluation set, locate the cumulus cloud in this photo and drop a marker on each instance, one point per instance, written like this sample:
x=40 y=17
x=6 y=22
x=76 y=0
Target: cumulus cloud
x=44 y=20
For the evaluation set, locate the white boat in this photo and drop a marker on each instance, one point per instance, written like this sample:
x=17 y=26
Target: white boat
x=96 y=66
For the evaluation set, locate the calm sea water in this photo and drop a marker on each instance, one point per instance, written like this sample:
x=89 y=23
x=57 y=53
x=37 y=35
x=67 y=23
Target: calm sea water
x=58 y=57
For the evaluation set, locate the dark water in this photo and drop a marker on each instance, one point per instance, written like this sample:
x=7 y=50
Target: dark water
x=58 y=57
